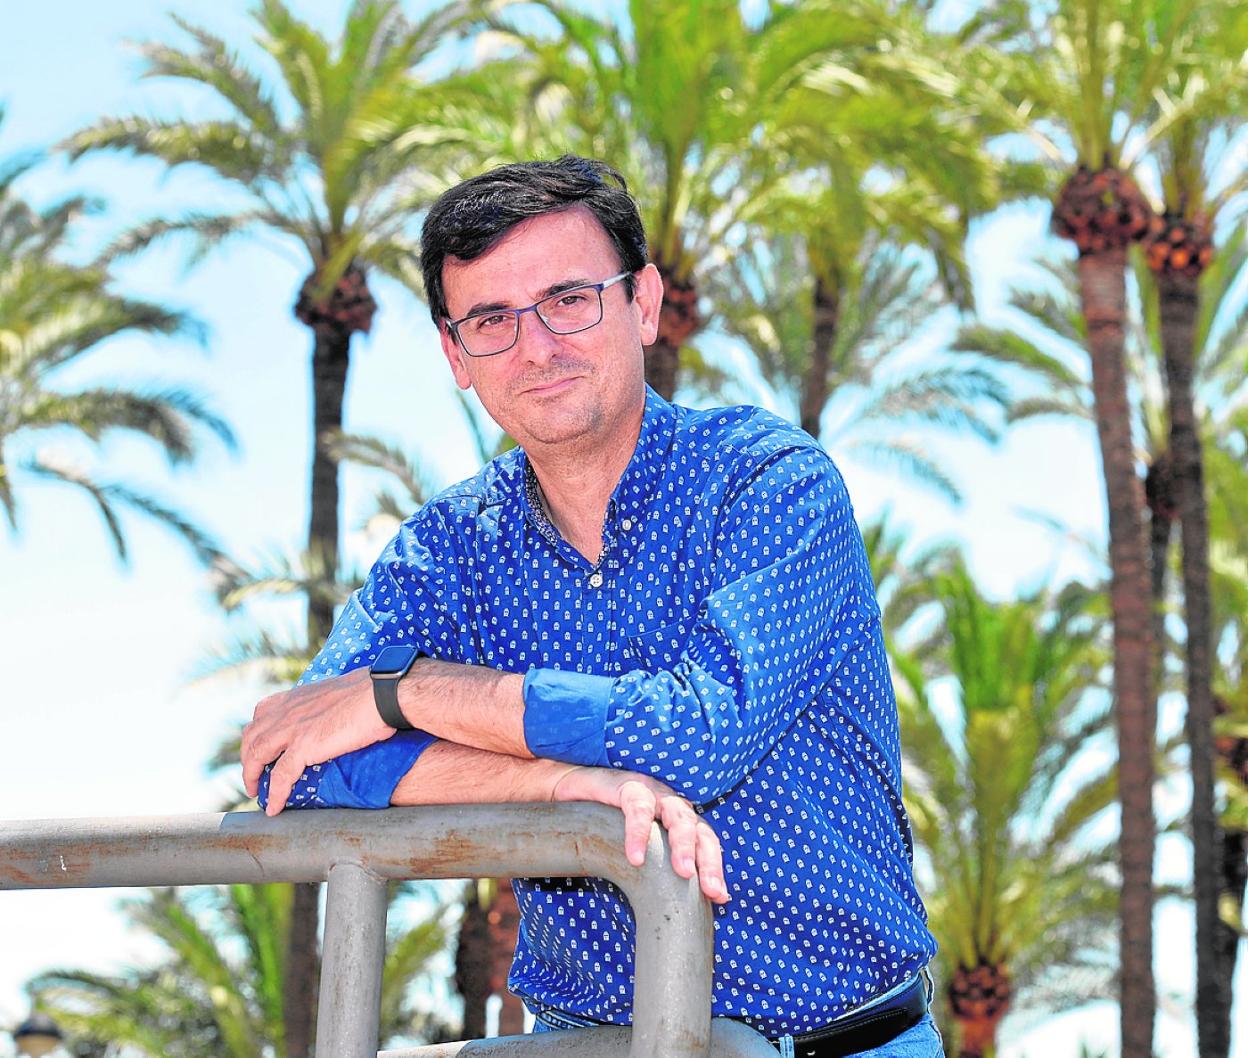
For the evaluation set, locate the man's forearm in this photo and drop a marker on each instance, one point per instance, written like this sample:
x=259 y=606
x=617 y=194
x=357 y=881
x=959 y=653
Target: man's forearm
x=471 y=705
x=447 y=773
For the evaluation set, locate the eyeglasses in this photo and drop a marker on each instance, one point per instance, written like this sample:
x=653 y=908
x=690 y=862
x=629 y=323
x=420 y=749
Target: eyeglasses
x=567 y=312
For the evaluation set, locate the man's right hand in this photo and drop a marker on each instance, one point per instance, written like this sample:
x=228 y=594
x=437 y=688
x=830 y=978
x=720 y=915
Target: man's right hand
x=643 y=800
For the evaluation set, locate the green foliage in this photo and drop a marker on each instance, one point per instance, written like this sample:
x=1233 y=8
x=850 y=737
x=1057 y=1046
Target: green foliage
x=330 y=145
x=219 y=988
x=1002 y=796
x=1083 y=73
x=53 y=315
x=764 y=298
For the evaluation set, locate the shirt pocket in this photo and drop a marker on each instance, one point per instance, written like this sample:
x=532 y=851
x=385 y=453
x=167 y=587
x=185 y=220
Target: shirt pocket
x=659 y=648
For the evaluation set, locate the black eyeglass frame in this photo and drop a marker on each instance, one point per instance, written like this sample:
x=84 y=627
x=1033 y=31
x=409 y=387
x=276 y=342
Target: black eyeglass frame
x=598 y=288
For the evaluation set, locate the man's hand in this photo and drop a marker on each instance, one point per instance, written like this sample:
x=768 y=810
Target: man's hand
x=309 y=725
x=643 y=800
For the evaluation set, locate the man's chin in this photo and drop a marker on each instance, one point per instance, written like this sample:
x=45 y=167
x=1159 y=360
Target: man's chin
x=560 y=430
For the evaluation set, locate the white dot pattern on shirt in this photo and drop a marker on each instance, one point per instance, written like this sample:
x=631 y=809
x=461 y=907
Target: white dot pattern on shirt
x=735 y=607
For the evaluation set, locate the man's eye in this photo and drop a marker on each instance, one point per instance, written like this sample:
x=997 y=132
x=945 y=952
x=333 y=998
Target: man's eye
x=571 y=299
x=493 y=322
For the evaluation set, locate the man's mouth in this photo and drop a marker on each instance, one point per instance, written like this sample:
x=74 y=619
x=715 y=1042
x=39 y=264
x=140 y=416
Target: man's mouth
x=544 y=388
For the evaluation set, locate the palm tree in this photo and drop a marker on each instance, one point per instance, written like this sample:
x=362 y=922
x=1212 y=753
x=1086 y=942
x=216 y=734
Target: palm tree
x=1022 y=897
x=329 y=157
x=1218 y=390
x=888 y=152
x=768 y=298
x=219 y=989
x=1208 y=95
x=1086 y=75
x=679 y=97
x=54 y=314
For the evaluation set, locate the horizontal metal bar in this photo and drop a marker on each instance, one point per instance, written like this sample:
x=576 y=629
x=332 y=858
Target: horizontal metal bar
x=729 y=1039
x=671 y=1004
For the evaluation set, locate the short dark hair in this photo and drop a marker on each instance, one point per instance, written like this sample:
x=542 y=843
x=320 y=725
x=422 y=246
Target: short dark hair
x=474 y=216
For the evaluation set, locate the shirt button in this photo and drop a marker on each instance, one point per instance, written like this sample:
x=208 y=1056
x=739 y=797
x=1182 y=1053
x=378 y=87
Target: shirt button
x=595 y=580
x=626 y=524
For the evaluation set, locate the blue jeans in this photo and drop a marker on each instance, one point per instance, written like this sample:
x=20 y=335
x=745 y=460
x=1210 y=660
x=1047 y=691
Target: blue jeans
x=921 y=1041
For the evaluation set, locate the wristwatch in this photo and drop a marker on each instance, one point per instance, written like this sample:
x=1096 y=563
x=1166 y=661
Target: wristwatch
x=391 y=666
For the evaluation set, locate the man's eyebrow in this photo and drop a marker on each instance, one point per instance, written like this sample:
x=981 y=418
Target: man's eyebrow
x=554 y=288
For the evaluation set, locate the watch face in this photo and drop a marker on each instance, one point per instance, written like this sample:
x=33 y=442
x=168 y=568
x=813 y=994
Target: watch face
x=393 y=661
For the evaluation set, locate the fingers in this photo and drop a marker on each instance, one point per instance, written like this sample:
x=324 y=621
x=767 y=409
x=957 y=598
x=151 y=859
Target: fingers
x=695 y=847
x=681 y=823
x=711 y=865
x=282 y=780
x=640 y=809
x=263 y=742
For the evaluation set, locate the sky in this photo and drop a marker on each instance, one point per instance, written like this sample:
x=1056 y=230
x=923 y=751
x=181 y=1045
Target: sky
x=104 y=709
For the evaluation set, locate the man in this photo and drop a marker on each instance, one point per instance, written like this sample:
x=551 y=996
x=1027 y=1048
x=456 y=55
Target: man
x=642 y=605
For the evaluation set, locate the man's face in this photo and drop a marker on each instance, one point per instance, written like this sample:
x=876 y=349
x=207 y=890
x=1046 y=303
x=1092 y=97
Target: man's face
x=555 y=389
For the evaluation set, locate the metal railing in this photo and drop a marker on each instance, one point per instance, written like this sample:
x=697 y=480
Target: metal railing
x=358 y=852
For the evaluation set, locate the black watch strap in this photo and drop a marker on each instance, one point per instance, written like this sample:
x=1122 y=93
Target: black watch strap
x=386 y=695
x=390 y=667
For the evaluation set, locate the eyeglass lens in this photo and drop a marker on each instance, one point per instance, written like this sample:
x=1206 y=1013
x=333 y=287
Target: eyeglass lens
x=564 y=313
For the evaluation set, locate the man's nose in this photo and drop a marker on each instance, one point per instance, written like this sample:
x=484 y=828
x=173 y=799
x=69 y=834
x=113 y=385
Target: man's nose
x=535 y=341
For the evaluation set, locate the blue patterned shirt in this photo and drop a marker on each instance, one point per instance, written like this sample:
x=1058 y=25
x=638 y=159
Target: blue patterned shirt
x=727 y=642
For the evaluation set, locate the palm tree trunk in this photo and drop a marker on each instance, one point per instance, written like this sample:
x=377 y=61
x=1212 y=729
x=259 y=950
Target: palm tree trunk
x=1102 y=287
x=1178 y=303
x=330 y=362
x=1158 y=490
x=1233 y=875
x=679 y=320
x=662 y=364
x=504 y=930
x=473 y=962
x=814 y=396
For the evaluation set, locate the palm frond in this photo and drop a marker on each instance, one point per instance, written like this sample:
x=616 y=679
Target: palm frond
x=273 y=658
x=377 y=454
x=109 y=496
x=231 y=149
x=910 y=459
x=952 y=397
x=216 y=65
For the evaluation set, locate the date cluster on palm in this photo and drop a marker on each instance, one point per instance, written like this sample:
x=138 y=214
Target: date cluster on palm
x=979 y=997
x=1101 y=210
x=1233 y=749
x=679 y=318
x=349 y=308
x=1176 y=246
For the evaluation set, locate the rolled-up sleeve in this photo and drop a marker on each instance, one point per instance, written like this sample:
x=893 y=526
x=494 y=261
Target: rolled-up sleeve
x=791 y=592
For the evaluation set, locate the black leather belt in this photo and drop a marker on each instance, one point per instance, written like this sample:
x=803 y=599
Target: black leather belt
x=865 y=1029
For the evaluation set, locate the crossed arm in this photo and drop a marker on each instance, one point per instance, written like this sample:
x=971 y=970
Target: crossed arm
x=480 y=756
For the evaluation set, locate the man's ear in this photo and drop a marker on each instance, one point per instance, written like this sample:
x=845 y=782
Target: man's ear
x=454 y=356
x=648 y=299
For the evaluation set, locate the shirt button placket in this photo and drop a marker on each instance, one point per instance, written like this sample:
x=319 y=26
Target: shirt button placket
x=595 y=579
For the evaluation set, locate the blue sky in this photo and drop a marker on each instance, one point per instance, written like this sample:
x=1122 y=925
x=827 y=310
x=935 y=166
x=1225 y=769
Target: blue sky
x=98 y=660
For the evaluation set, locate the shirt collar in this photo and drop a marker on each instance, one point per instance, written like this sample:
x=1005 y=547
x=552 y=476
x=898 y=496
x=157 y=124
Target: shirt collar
x=637 y=485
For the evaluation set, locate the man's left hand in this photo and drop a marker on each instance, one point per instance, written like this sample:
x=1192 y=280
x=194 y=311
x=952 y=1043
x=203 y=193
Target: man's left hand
x=309 y=725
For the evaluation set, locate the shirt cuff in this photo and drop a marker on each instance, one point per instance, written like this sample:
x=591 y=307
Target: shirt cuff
x=363 y=778
x=565 y=715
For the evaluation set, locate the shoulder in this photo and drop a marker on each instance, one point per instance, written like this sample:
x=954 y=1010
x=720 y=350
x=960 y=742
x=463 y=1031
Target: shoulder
x=461 y=507
x=749 y=432
x=741 y=443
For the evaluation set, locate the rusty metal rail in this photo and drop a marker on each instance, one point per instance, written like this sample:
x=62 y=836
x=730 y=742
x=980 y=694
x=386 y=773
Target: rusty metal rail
x=358 y=852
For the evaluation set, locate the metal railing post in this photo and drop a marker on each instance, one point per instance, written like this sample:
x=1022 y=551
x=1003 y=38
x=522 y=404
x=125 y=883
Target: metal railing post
x=349 y=1013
